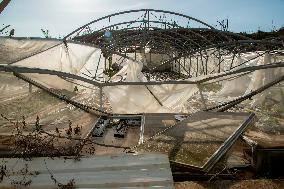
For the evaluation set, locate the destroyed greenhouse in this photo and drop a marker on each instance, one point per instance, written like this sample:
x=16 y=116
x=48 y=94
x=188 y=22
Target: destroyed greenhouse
x=161 y=96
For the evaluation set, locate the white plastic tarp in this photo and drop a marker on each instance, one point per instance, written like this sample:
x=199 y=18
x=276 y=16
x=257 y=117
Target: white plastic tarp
x=87 y=61
x=141 y=99
x=82 y=60
x=15 y=49
x=245 y=84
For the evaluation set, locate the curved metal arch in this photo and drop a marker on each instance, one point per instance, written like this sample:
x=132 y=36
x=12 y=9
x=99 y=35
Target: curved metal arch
x=162 y=31
x=138 y=21
x=149 y=31
x=125 y=37
x=138 y=10
x=191 y=30
x=166 y=32
x=166 y=36
x=176 y=33
x=115 y=52
x=182 y=36
x=206 y=42
x=228 y=33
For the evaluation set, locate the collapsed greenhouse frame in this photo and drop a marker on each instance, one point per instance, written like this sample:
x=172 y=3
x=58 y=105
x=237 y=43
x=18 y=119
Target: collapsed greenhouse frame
x=128 y=53
x=188 y=48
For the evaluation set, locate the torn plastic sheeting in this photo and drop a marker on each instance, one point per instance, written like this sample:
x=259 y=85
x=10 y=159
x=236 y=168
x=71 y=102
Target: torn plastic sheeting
x=142 y=99
x=77 y=59
x=240 y=84
x=14 y=49
x=247 y=83
x=71 y=59
x=262 y=77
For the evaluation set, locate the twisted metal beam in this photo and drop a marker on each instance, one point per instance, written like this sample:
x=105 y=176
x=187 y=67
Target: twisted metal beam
x=193 y=81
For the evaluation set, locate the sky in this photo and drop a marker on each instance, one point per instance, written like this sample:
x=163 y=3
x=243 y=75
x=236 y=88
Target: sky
x=61 y=17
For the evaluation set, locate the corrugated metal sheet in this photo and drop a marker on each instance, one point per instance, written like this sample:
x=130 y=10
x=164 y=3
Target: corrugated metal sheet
x=119 y=171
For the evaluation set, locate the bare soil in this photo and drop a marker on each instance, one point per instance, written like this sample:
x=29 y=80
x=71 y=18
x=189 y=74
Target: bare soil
x=229 y=184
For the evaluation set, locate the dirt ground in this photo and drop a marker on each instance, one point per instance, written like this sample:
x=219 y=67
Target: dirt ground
x=52 y=112
x=229 y=184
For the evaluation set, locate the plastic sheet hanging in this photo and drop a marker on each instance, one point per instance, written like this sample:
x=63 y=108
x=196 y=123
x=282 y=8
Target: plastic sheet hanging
x=142 y=98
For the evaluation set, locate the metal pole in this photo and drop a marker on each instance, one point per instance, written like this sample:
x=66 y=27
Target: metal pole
x=150 y=57
x=202 y=97
x=219 y=66
x=148 y=18
x=206 y=69
x=196 y=66
x=101 y=98
x=30 y=88
x=189 y=66
x=179 y=69
x=135 y=52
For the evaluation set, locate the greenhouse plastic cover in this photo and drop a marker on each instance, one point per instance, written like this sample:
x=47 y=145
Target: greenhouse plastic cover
x=13 y=50
x=53 y=55
x=247 y=83
x=76 y=59
x=87 y=61
x=137 y=99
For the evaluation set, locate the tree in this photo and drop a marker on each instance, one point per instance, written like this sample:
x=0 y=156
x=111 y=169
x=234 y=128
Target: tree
x=7 y=31
x=224 y=24
x=45 y=33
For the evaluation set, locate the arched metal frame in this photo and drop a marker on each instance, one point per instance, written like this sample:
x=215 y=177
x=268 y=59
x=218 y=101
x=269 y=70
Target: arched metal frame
x=180 y=43
x=158 y=30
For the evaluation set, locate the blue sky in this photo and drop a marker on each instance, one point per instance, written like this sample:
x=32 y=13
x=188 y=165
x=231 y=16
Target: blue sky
x=63 y=16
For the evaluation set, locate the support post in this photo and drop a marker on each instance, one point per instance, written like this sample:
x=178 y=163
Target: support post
x=179 y=69
x=189 y=66
x=196 y=66
x=110 y=62
x=202 y=97
x=150 y=57
x=206 y=69
x=135 y=52
x=219 y=57
x=101 y=98
x=30 y=88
